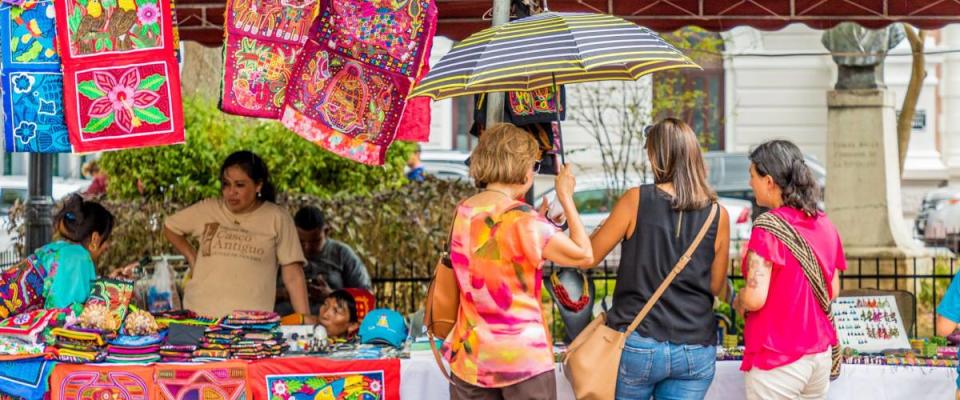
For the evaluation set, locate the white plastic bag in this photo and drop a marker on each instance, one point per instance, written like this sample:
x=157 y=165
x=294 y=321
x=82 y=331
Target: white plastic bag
x=162 y=295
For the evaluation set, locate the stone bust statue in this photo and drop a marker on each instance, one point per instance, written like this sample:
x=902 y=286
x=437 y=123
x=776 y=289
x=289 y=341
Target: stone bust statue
x=863 y=70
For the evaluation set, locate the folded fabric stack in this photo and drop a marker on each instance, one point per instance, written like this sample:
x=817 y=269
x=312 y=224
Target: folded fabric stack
x=256 y=334
x=217 y=343
x=185 y=317
x=182 y=340
x=177 y=353
x=22 y=334
x=134 y=349
x=77 y=345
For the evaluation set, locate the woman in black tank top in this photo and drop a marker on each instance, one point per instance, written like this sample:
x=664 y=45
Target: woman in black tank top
x=671 y=354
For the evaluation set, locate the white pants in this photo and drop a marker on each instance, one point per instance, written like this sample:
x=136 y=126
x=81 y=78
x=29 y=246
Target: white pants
x=806 y=378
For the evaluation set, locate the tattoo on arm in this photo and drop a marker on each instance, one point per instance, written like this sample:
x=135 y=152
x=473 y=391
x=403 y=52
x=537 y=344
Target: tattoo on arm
x=758 y=268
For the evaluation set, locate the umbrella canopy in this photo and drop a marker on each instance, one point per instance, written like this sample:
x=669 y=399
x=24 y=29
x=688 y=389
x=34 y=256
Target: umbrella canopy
x=550 y=49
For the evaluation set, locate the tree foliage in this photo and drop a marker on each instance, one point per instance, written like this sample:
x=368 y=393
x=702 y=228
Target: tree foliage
x=189 y=172
x=614 y=114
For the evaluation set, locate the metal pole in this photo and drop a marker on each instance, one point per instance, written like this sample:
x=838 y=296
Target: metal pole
x=40 y=204
x=501 y=15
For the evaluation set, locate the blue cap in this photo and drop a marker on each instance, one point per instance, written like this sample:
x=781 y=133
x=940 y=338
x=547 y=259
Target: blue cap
x=383 y=326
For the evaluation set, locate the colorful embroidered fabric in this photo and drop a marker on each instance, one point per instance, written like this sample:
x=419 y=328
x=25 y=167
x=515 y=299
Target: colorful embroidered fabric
x=302 y=378
x=120 y=74
x=27 y=379
x=263 y=38
x=115 y=294
x=349 y=87
x=27 y=326
x=67 y=334
x=213 y=381
x=72 y=356
x=241 y=317
x=132 y=358
x=113 y=349
x=21 y=289
x=537 y=106
x=95 y=382
x=415 y=122
x=344 y=106
x=497 y=254
x=135 y=341
x=12 y=2
x=32 y=84
x=389 y=35
x=14 y=347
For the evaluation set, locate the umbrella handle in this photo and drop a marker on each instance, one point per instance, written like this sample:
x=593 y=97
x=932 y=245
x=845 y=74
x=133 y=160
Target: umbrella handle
x=556 y=90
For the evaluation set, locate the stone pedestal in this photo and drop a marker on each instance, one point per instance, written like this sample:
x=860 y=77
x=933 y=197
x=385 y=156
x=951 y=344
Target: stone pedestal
x=950 y=97
x=863 y=179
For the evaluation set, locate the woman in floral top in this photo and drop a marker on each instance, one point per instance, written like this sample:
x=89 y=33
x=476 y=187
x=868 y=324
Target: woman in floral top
x=60 y=273
x=500 y=347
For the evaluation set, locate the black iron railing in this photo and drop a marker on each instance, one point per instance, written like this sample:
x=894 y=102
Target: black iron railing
x=925 y=278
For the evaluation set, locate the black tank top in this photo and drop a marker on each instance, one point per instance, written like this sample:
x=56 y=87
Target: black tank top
x=684 y=314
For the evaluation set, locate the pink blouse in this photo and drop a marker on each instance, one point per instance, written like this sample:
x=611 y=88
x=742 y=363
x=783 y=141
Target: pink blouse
x=791 y=323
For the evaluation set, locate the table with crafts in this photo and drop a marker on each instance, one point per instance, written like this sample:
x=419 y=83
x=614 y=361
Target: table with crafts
x=422 y=379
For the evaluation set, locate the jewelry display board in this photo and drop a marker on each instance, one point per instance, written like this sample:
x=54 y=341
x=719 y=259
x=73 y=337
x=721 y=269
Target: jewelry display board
x=870 y=324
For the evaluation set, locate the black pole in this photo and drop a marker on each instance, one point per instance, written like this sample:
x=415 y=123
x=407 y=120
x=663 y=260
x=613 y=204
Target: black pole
x=40 y=204
x=556 y=91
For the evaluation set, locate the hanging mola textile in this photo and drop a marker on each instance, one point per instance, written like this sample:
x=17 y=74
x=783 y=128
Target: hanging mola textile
x=120 y=74
x=348 y=89
x=263 y=39
x=32 y=84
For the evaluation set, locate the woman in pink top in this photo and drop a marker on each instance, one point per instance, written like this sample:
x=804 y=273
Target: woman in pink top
x=788 y=336
x=499 y=347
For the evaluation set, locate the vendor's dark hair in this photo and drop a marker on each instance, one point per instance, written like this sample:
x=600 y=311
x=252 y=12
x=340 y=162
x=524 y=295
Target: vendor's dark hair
x=345 y=298
x=783 y=161
x=255 y=168
x=78 y=219
x=309 y=218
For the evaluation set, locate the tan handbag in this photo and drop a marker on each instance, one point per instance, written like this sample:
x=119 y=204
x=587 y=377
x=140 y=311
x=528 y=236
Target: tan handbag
x=593 y=359
x=442 y=303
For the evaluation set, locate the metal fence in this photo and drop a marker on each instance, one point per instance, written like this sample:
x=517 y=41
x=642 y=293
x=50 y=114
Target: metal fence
x=925 y=278
x=8 y=259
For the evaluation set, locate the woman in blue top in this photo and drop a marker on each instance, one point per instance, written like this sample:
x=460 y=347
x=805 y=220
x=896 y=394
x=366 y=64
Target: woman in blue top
x=60 y=273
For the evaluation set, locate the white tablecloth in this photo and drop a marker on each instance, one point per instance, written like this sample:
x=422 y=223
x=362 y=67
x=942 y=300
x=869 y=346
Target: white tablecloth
x=422 y=380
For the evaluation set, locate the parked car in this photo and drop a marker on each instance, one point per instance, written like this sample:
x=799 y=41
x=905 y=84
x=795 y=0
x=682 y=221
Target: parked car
x=939 y=222
x=13 y=188
x=729 y=175
x=449 y=165
x=594 y=202
x=931 y=202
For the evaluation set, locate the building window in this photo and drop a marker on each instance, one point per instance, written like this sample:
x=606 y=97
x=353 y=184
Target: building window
x=462 y=121
x=699 y=94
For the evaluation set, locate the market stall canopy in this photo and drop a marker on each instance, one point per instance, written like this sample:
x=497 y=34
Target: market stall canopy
x=202 y=20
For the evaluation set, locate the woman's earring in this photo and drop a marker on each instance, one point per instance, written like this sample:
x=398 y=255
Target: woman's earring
x=259 y=195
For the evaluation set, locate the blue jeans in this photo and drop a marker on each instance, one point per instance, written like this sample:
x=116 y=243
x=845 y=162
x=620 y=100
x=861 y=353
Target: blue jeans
x=665 y=370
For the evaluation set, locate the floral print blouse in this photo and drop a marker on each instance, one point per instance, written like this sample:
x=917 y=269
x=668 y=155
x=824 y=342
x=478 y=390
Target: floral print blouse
x=497 y=255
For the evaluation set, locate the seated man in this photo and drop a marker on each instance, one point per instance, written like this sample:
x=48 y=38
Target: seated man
x=331 y=265
x=343 y=310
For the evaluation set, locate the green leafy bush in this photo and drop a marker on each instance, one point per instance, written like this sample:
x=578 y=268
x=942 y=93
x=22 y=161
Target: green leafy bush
x=189 y=172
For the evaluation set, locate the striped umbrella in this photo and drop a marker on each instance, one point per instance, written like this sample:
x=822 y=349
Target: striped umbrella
x=549 y=49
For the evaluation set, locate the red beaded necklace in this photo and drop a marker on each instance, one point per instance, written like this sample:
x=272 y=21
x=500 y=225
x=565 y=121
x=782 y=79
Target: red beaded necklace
x=564 y=298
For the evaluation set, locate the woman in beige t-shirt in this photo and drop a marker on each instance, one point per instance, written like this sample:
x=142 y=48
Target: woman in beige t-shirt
x=243 y=237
